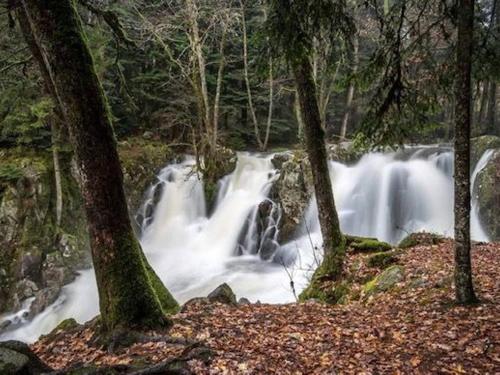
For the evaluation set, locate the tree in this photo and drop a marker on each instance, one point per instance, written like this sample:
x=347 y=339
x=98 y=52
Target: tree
x=464 y=289
x=130 y=293
x=293 y=26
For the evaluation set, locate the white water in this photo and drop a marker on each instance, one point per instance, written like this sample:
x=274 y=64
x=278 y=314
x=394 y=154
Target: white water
x=384 y=195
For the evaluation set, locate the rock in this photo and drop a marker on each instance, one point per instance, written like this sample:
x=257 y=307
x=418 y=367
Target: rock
x=384 y=281
x=55 y=273
x=480 y=144
x=488 y=196
x=148 y=135
x=343 y=152
x=420 y=239
x=12 y=362
x=43 y=299
x=244 y=301
x=223 y=294
x=292 y=190
x=16 y=358
x=26 y=289
x=222 y=162
x=382 y=260
x=366 y=245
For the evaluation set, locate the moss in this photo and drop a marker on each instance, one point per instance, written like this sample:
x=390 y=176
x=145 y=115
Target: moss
x=384 y=281
x=381 y=260
x=420 y=239
x=325 y=284
x=366 y=245
x=480 y=144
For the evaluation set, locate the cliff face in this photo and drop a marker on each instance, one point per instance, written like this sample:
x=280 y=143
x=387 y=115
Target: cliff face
x=37 y=256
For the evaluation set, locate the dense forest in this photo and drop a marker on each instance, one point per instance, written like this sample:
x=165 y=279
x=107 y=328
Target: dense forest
x=249 y=186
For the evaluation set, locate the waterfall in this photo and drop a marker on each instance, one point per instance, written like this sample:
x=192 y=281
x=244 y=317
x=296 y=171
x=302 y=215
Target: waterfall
x=385 y=195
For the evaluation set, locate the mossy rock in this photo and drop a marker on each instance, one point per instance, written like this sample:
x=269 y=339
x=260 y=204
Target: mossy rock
x=420 y=239
x=327 y=292
x=223 y=294
x=366 y=245
x=480 y=144
x=382 y=260
x=385 y=280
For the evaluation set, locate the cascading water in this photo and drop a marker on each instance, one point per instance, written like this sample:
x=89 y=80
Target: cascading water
x=383 y=195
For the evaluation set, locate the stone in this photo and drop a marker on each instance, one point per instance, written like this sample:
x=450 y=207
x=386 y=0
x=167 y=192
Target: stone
x=43 y=299
x=12 y=362
x=223 y=294
x=244 y=301
x=385 y=280
x=16 y=358
x=292 y=190
x=148 y=135
x=488 y=196
x=26 y=288
x=480 y=144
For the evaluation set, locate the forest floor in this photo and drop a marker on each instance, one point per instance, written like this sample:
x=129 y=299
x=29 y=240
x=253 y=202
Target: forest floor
x=415 y=328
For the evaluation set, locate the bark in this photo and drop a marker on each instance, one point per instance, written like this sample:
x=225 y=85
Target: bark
x=298 y=116
x=218 y=90
x=196 y=47
x=350 y=91
x=56 y=144
x=271 y=103
x=130 y=294
x=316 y=151
x=490 y=119
x=464 y=289
x=247 y=81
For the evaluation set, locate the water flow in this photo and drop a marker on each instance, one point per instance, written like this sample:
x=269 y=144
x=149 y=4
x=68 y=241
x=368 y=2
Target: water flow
x=383 y=195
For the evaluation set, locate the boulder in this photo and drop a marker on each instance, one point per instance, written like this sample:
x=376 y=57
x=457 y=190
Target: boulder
x=292 y=190
x=382 y=260
x=480 y=144
x=420 y=239
x=16 y=358
x=488 y=196
x=223 y=294
x=385 y=280
x=366 y=245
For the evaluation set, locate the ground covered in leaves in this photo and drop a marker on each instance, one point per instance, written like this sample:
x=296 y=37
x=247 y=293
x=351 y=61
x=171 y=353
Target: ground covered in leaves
x=412 y=328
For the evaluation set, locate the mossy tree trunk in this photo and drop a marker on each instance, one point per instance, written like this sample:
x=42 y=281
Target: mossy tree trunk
x=333 y=241
x=463 y=272
x=130 y=293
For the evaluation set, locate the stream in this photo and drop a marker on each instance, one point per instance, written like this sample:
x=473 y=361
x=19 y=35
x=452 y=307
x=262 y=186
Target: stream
x=383 y=195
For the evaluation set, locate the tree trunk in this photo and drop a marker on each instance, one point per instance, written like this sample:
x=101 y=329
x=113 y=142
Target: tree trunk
x=316 y=151
x=197 y=49
x=464 y=289
x=270 y=108
x=130 y=293
x=56 y=144
x=247 y=81
x=218 y=90
x=492 y=109
x=350 y=91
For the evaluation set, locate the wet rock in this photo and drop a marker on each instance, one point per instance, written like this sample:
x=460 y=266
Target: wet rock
x=488 y=195
x=343 y=152
x=292 y=190
x=480 y=144
x=259 y=234
x=43 y=299
x=55 y=273
x=223 y=294
x=16 y=358
x=26 y=289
